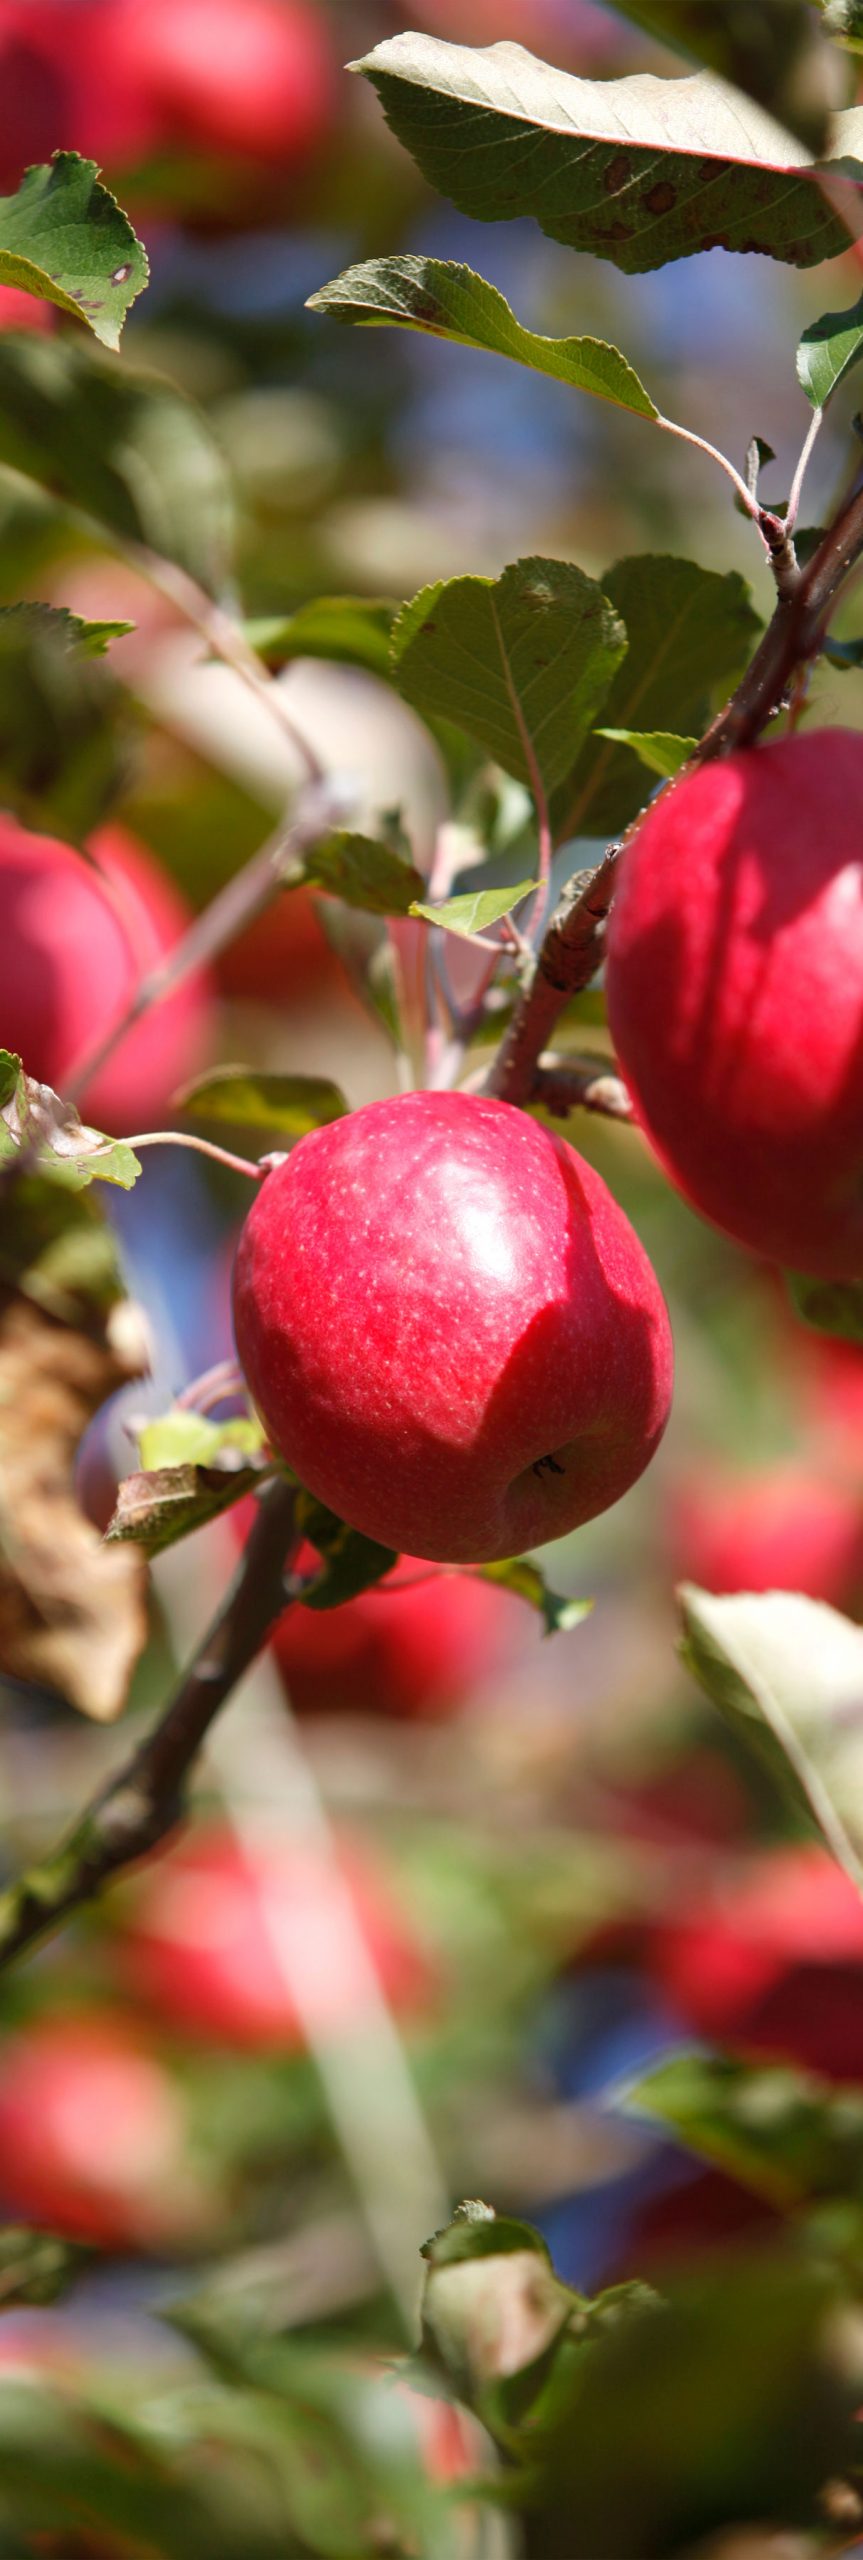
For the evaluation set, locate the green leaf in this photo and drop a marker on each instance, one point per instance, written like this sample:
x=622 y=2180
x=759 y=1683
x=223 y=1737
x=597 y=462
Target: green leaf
x=64 y=238
x=787 y=1674
x=362 y=870
x=788 y=2136
x=657 y=748
x=63 y=726
x=450 y=301
x=691 y=631
x=36 y=1124
x=481 y=907
x=354 y=630
x=160 y=1505
x=638 y=170
x=771 y=49
x=827 y=351
x=284 y=1106
x=350 y=1563
x=125 y=447
x=522 y=662
x=829 y=1306
x=528 y=1582
x=179 y=1438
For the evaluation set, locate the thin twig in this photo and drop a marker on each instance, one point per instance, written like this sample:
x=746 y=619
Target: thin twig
x=227 y=641
x=580 y=1083
x=813 y=430
x=201 y=1147
x=319 y=809
x=145 y=1800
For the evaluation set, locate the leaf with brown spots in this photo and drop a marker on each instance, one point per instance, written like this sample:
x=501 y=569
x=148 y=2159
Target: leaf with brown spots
x=72 y=1612
x=638 y=170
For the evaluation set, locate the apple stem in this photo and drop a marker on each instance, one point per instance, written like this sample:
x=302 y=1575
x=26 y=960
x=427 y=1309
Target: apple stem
x=219 y=1385
x=145 y=1799
x=201 y=1147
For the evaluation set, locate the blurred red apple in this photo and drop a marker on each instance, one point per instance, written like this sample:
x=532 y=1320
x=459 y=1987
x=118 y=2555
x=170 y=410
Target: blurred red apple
x=252 y=77
x=395 y=1651
x=61 y=89
x=407 y=1648
x=76 y=940
x=201 y=1943
x=771 y=1961
x=93 y=2135
x=24 y=310
x=284 y=957
x=782 y=1528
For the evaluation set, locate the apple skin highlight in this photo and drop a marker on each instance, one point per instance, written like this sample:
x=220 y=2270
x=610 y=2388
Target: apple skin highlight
x=450 y=1329
x=734 y=982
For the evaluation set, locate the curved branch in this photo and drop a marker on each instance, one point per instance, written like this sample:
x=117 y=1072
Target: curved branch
x=146 y=1798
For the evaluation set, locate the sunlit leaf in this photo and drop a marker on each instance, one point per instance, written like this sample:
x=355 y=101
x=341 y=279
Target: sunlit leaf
x=656 y=748
x=827 y=351
x=180 y=1438
x=638 y=170
x=64 y=238
x=772 y=49
x=787 y=1673
x=449 y=301
x=473 y=913
x=522 y=662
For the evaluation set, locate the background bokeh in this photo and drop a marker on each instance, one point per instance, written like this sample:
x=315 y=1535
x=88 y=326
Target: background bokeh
x=450 y=1887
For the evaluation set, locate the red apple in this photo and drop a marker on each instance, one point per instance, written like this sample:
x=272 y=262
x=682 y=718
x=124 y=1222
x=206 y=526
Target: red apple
x=61 y=90
x=450 y=1328
x=252 y=77
x=772 y=1962
x=93 y=2134
x=20 y=310
x=735 y=995
x=782 y=1528
x=200 y=1945
x=401 y=1649
x=76 y=939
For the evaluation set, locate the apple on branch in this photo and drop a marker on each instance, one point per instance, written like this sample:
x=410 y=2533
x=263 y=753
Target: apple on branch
x=77 y=938
x=450 y=1329
x=735 y=995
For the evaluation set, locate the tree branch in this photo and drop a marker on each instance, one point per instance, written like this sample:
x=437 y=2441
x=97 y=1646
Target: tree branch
x=146 y=1798
x=580 y=1083
x=568 y=959
x=570 y=953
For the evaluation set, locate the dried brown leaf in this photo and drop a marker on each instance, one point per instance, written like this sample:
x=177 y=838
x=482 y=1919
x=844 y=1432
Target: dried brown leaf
x=72 y=1610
